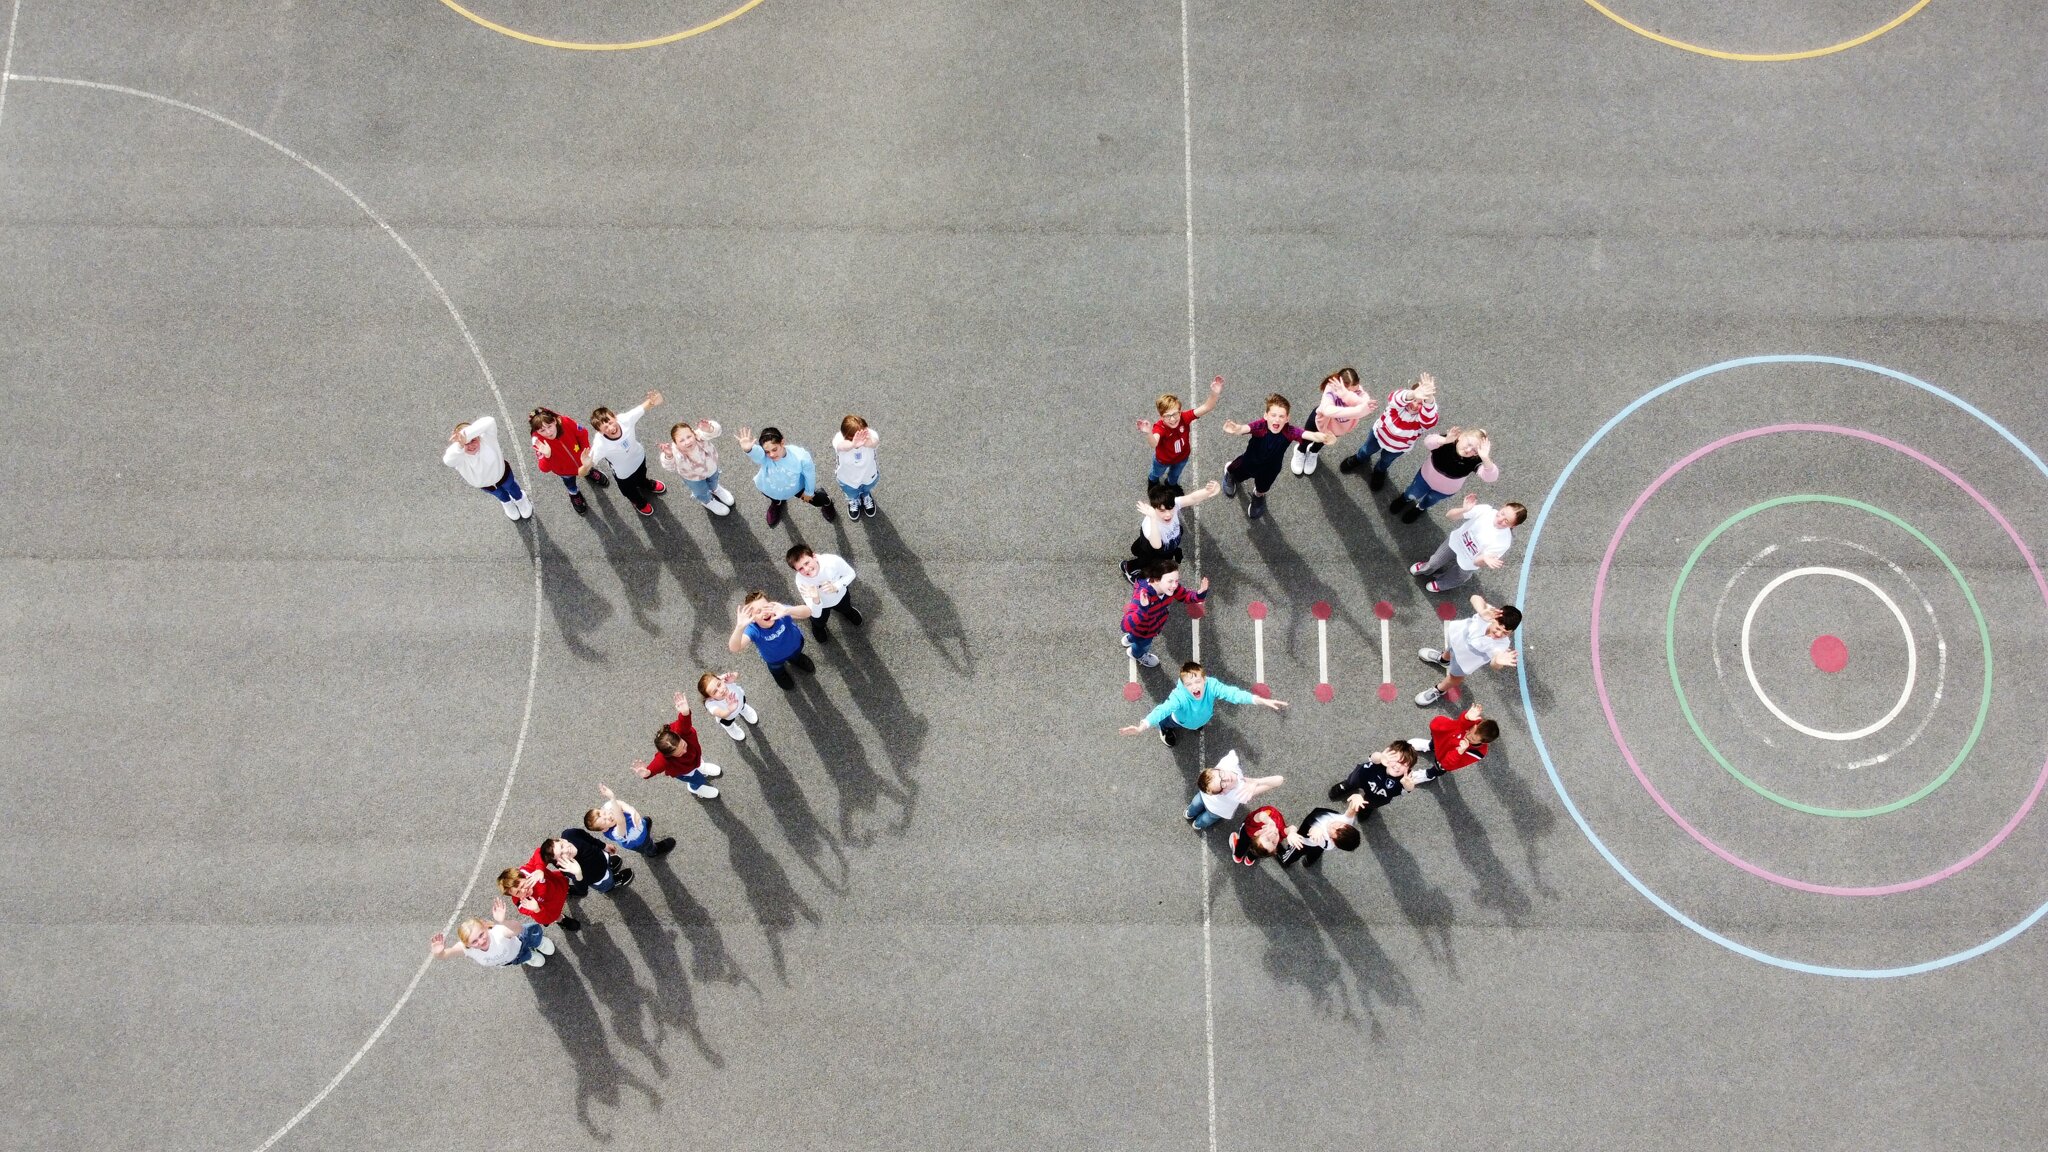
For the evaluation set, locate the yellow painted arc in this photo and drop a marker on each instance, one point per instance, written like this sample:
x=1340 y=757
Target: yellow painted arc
x=622 y=46
x=1752 y=57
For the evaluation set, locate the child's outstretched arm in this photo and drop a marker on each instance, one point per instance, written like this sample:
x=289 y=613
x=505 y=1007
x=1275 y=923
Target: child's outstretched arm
x=1215 y=394
x=1205 y=492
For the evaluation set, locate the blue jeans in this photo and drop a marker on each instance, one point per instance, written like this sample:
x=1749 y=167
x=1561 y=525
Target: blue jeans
x=1170 y=473
x=1421 y=495
x=854 y=494
x=1372 y=446
x=529 y=939
x=702 y=490
x=507 y=487
x=1200 y=814
x=1140 y=645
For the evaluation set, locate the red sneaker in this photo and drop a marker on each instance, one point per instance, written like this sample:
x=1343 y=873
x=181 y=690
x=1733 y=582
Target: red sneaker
x=647 y=509
x=659 y=487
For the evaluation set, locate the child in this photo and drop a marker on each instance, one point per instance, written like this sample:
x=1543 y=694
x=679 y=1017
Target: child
x=1151 y=598
x=622 y=824
x=1342 y=405
x=617 y=443
x=540 y=893
x=494 y=945
x=561 y=447
x=1481 y=541
x=585 y=861
x=690 y=454
x=822 y=579
x=1410 y=412
x=677 y=753
x=1170 y=433
x=1262 y=834
x=727 y=703
x=1383 y=777
x=772 y=629
x=1259 y=464
x=1453 y=457
x=1221 y=790
x=854 y=444
x=1454 y=742
x=1192 y=702
x=785 y=473
x=1159 y=525
x=1321 y=830
x=474 y=454
x=1481 y=640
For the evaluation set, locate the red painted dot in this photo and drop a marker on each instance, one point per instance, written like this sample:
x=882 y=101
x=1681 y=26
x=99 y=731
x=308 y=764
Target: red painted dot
x=1196 y=611
x=1387 y=693
x=1447 y=611
x=1261 y=691
x=1320 y=610
x=1456 y=696
x=1383 y=610
x=1132 y=691
x=1257 y=608
x=1325 y=693
x=1830 y=654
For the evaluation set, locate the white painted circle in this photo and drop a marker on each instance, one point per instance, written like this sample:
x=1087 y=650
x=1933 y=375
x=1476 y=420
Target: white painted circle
x=1912 y=654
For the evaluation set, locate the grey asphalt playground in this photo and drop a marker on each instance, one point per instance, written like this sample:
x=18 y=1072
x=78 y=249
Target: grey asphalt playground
x=279 y=690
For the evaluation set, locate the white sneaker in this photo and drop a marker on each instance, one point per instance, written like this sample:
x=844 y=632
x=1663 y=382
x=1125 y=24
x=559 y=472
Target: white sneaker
x=710 y=769
x=546 y=947
x=1431 y=656
x=1294 y=463
x=1418 y=568
x=705 y=792
x=537 y=960
x=737 y=731
x=1125 y=637
x=715 y=508
x=525 y=507
x=1428 y=696
x=1149 y=660
x=723 y=495
x=748 y=714
x=1308 y=462
x=511 y=508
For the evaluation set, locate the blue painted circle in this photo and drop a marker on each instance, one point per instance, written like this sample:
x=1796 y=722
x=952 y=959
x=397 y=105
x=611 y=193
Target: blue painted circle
x=1543 y=750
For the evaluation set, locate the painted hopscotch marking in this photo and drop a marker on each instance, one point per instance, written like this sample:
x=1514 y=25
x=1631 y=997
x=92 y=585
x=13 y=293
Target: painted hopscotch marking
x=1385 y=612
x=1321 y=611
x=1257 y=611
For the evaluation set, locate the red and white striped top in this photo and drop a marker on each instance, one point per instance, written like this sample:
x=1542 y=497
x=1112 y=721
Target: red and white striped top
x=1404 y=420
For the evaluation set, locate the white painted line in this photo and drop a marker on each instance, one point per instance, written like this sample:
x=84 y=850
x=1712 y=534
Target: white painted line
x=1912 y=653
x=7 y=55
x=1322 y=651
x=1386 y=656
x=1134 y=668
x=1258 y=651
x=1196 y=627
x=504 y=413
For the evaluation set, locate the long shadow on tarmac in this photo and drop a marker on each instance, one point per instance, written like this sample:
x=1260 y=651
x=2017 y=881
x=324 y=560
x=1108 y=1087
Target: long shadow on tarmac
x=626 y=551
x=618 y=990
x=1494 y=888
x=1531 y=818
x=564 y=1001
x=709 y=958
x=901 y=728
x=671 y=1001
x=577 y=608
x=685 y=561
x=792 y=809
x=1428 y=908
x=929 y=605
x=846 y=761
x=778 y=906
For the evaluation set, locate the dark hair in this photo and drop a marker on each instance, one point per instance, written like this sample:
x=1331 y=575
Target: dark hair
x=1159 y=568
x=769 y=435
x=1485 y=732
x=1205 y=778
x=1520 y=510
x=600 y=414
x=666 y=741
x=591 y=818
x=1348 y=375
x=1163 y=495
x=540 y=416
x=1345 y=837
x=1510 y=617
x=1191 y=667
x=1403 y=751
x=1277 y=398
x=547 y=849
x=797 y=552
x=756 y=594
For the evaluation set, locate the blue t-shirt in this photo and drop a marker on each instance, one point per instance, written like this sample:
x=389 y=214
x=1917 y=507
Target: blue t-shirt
x=777 y=642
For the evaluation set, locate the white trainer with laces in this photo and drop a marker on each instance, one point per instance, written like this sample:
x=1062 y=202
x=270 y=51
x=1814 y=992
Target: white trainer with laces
x=1431 y=656
x=710 y=769
x=1149 y=660
x=748 y=714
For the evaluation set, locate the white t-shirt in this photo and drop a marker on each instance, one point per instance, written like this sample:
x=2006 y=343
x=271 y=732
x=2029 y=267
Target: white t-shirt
x=1478 y=536
x=735 y=700
x=1236 y=789
x=857 y=466
x=484 y=467
x=1469 y=645
x=624 y=454
x=1167 y=531
x=501 y=947
x=1322 y=832
x=831 y=570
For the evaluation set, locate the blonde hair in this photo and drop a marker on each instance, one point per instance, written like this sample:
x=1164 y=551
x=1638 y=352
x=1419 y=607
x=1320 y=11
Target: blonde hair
x=471 y=930
x=1167 y=402
x=508 y=881
x=706 y=683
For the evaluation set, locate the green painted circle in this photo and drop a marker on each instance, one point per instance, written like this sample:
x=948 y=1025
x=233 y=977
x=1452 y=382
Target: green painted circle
x=1671 y=659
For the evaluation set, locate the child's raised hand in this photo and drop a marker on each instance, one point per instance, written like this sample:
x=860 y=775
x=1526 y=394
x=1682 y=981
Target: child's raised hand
x=1144 y=425
x=497 y=907
x=1213 y=487
x=704 y=429
x=1233 y=428
x=653 y=399
x=1216 y=386
x=1505 y=658
x=682 y=702
x=746 y=438
x=1473 y=713
x=1202 y=589
x=1131 y=729
x=1490 y=560
x=1355 y=805
x=605 y=790
x=730 y=677
x=438 y=941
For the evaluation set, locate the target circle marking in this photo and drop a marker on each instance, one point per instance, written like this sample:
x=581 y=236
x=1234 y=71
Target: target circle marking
x=1905 y=629
x=1550 y=763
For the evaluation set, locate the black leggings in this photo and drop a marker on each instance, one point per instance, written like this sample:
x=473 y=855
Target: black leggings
x=844 y=608
x=638 y=488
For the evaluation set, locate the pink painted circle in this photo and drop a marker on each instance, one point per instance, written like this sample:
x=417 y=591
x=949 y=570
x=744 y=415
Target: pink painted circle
x=1325 y=693
x=1383 y=610
x=1132 y=691
x=1387 y=693
x=1257 y=608
x=1196 y=611
x=1320 y=610
x=1261 y=691
x=1829 y=653
x=1447 y=611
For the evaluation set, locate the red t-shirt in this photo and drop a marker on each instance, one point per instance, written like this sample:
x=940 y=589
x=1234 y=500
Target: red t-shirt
x=565 y=453
x=551 y=894
x=1444 y=732
x=1260 y=819
x=687 y=758
x=1173 y=442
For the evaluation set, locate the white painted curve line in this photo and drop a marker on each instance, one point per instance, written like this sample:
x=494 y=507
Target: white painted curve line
x=504 y=414
x=1912 y=653
x=7 y=55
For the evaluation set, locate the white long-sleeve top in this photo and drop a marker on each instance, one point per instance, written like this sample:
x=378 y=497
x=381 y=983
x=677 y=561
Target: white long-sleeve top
x=857 y=464
x=486 y=465
x=832 y=570
x=624 y=454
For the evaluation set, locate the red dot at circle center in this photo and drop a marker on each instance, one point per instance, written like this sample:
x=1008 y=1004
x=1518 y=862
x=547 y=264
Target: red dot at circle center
x=1830 y=654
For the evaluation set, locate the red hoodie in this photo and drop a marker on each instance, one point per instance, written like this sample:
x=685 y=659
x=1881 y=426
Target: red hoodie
x=1444 y=732
x=550 y=896
x=687 y=759
x=566 y=452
